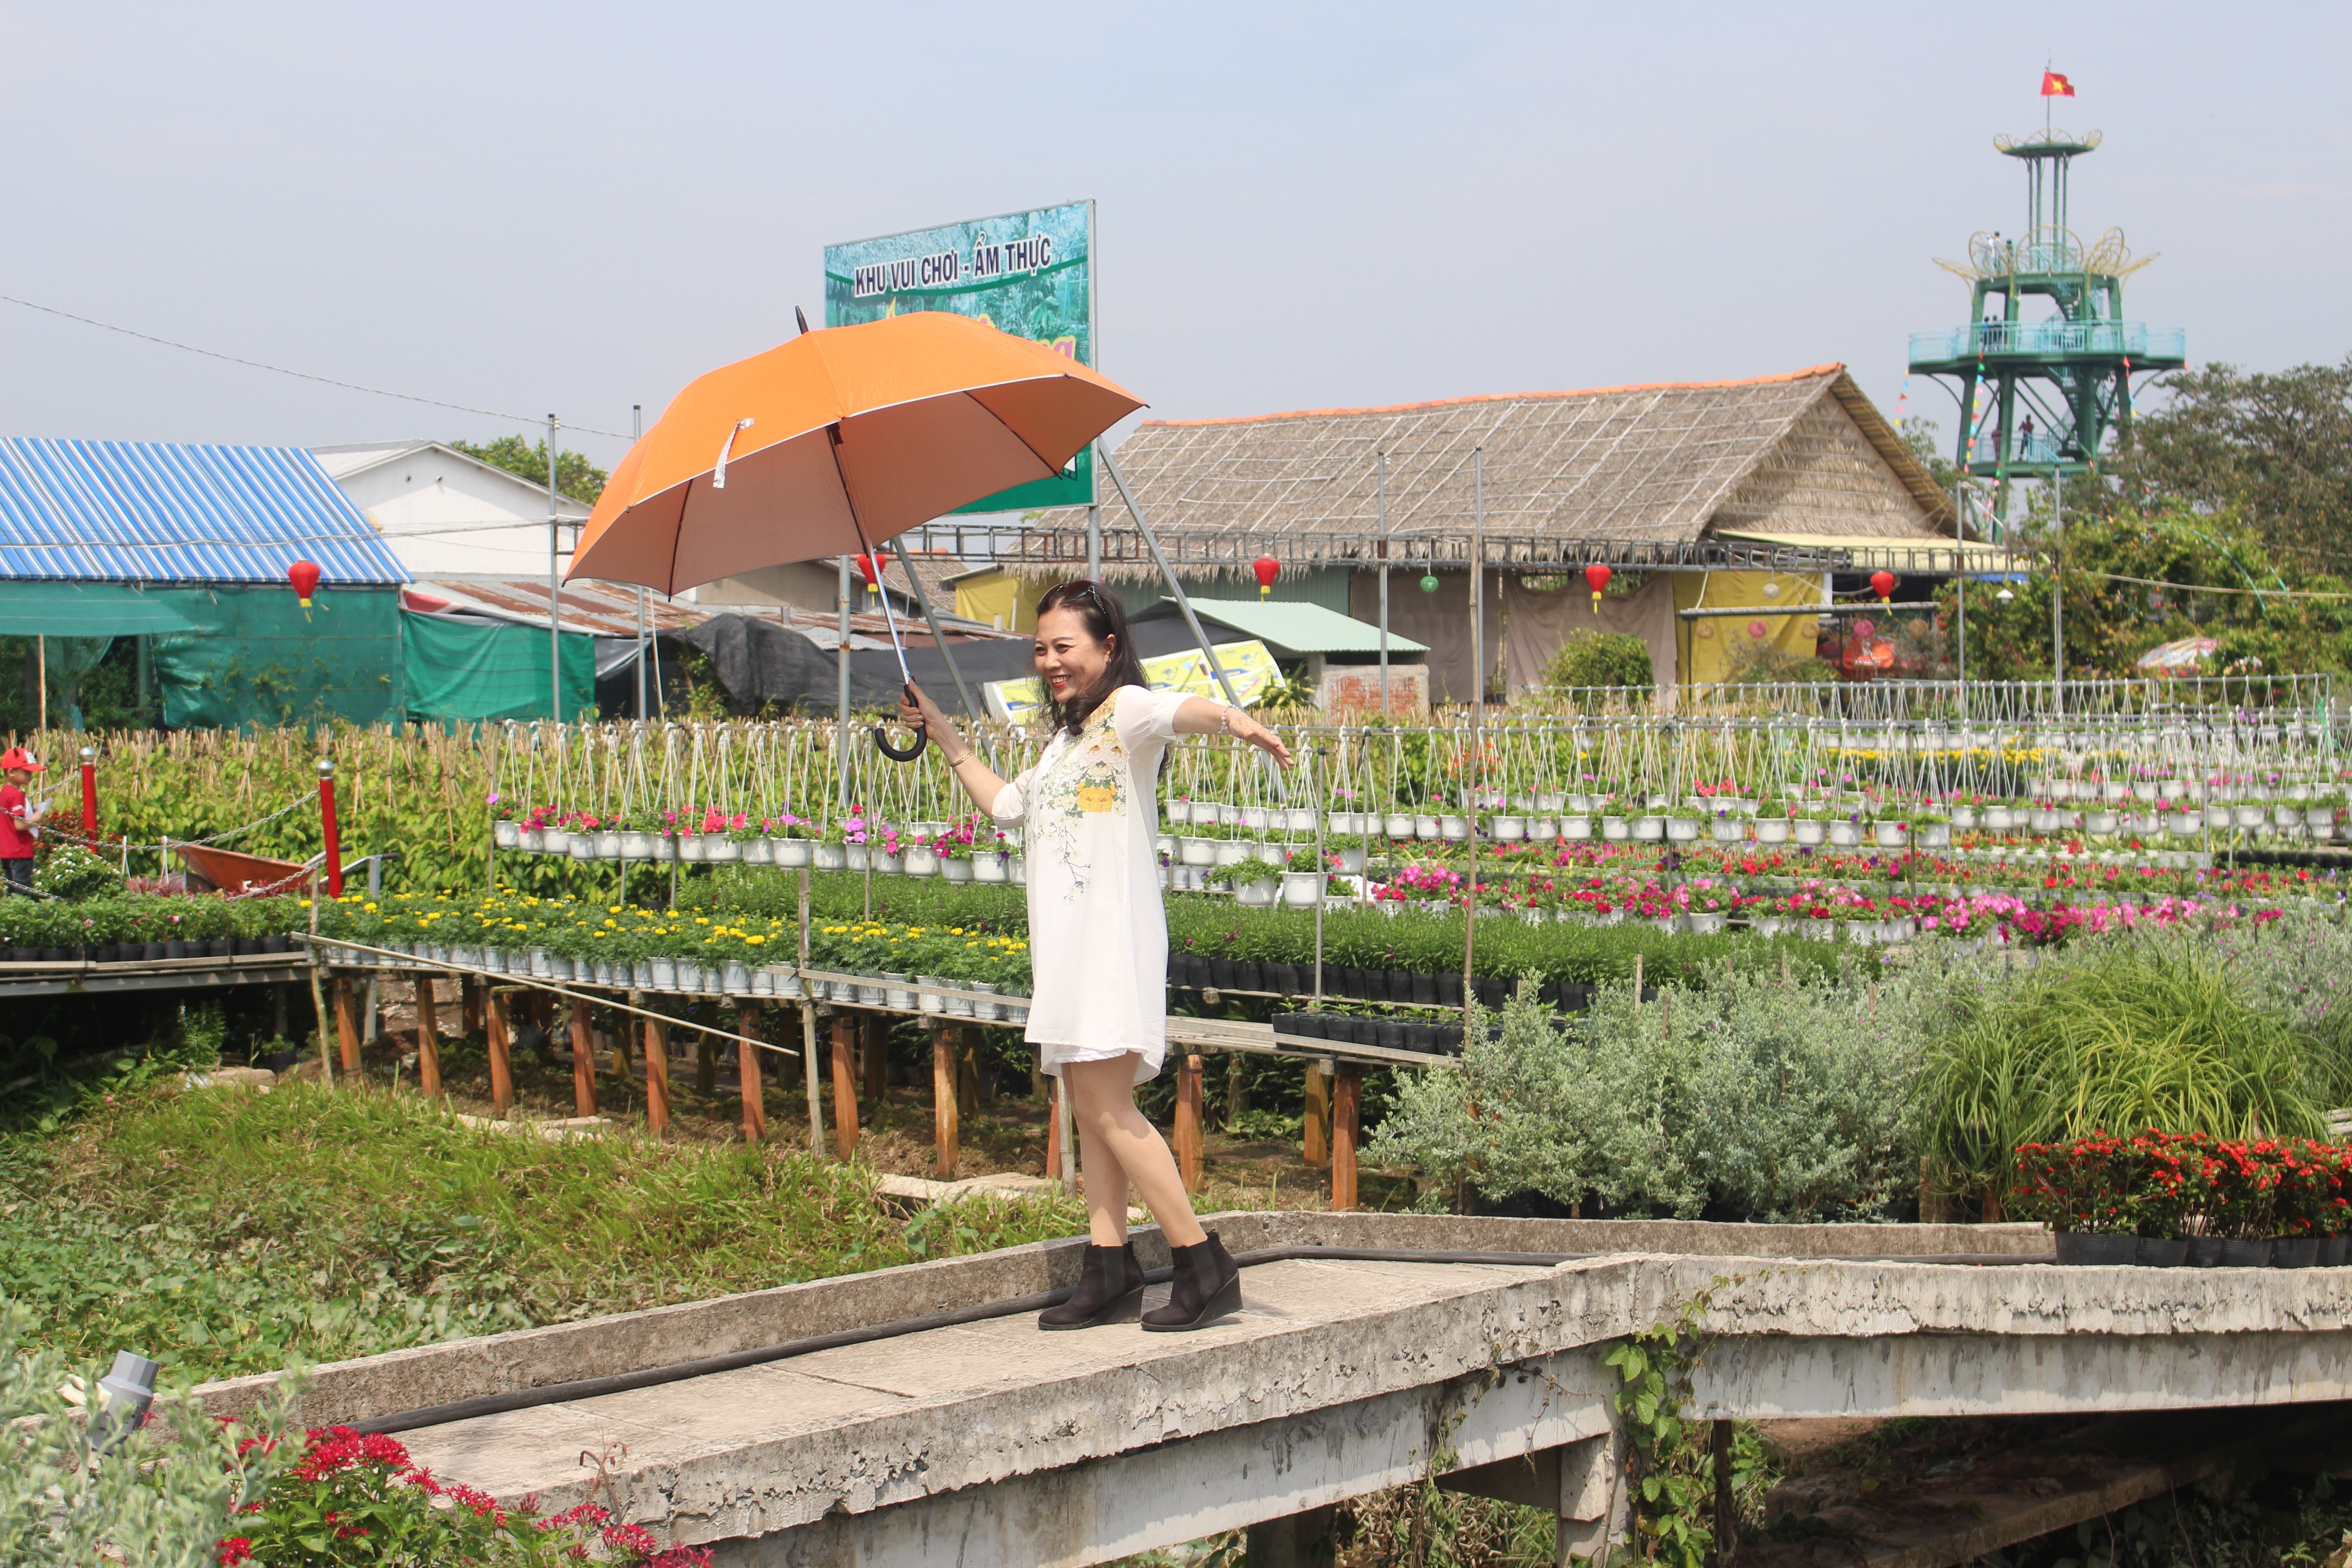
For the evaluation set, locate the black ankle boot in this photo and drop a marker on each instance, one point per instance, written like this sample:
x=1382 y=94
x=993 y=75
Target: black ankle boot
x=1208 y=1285
x=1111 y=1283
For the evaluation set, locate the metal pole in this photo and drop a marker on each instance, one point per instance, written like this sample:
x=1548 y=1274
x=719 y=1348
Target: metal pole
x=1477 y=712
x=554 y=618
x=638 y=434
x=1381 y=458
x=844 y=744
x=2058 y=592
x=1094 y=542
x=1168 y=572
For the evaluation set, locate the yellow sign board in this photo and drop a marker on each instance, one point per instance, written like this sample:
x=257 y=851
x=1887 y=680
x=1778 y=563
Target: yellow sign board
x=1247 y=665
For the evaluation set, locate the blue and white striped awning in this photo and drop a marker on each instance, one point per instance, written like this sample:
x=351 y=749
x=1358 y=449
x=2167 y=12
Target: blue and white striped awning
x=156 y=511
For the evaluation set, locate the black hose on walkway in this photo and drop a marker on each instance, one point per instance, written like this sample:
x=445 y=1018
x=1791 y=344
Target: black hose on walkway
x=679 y=1372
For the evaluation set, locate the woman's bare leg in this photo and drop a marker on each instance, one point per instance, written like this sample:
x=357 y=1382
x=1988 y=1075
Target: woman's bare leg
x=1102 y=1103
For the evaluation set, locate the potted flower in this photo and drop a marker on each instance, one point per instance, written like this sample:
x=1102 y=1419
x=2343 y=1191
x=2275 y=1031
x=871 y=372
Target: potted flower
x=1302 y=878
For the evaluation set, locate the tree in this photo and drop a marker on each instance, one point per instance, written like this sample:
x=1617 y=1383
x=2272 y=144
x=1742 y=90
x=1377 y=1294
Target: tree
x=575 y=476
x=2111 y=619
x=2277 y=449
x=1920 y=434
x=1588 y=658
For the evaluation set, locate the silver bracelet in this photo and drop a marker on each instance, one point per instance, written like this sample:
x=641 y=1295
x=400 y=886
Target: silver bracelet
x=1226 y=717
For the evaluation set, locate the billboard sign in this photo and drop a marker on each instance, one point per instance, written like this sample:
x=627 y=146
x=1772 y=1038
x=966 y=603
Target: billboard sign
x=1027 y=273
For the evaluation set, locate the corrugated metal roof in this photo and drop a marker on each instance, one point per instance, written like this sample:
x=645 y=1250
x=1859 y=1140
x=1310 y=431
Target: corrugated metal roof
x=610 y=610
x=155 y=512
x=1293 y=628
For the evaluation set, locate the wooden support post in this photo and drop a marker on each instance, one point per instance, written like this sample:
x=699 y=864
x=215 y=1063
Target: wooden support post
x=1318 y=1133
x=502 y=1066
x=749 y=1079
x=623 y=1025
x=706 y=1058
x=873 y=1043
x=429 y=1039
x=809 y=1076
x=983 y=1086
x=347 y=1026
x=1052 y=1127
x=946 y=1126
x=967 y=1059
x=1347 y=1093
x=583 y=1059
x=1236 y=1090
x=844 y=1088
x=1187 y=1122
x=657 y=1076
x=470 y=992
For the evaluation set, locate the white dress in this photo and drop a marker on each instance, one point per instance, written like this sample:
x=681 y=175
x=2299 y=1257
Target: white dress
x=1089 y=815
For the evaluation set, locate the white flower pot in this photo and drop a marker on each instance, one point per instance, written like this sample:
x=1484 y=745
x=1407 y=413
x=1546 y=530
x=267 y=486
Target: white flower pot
x=1453 y=829
x=506 y=833
x=786 y=982
x=1845 y=835
x=1298 y=819
x=1577 y=827
x=987 y=866
x=2248 y=816
x=1704 y=923
x=1771 y=830
x=1257 y=819
x=608 y=845
x=792 y=853
x=2217 y=817
x=956 y=870
x=1301 y=890
x=1889 y=835
x=1510 y=829
x=1231 y=851
x=1351 y=861
x=857 y=856
x=636 y=846
x=1935 y=835
x=899 y=990
x=665 y=976
x=735 y=979
x=887 y=864
x=691 y=849
x=1683 y=829
x=555 y=840
x=759 y=852
x=665 y=847
x=689 y=975
x=1197 y=851
x=1399 y=825
x=829 y=857
x=922 y=863
x=641 y=974
x=763 y=981
x=1020 y=870
x=1615 y=829
x=717 y=849
x=1964 y=817
x=2101 y=822
x=1257 y=894
x=1998 y=818
x=1810 y=830
x=1729 y=830
x=1650 y=829
x=1543 y=829
x=531 y=840
x=1767 y=925
x=1427 y=827
x=986 y=1012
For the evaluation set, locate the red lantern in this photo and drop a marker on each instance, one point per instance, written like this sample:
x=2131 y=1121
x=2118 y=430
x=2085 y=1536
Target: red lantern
x=304 y=576
x=1596 y=578
x=869 y=568
x=1267 y=568
x=1882 y=584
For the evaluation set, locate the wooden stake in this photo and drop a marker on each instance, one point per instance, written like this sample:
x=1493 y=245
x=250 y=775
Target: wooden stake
x=749 y=1081
x=583 y=1060
x=1187 y=1122
x=1317 y=1132
x=946 y=1125
x=844 y=1088
x=347 y=1028
x=502 y=1066
x=983 y=1090
x=706 y=1060
x=657 y=1077
x=1346 y=1094
x=966 y=1060
x=874 y=1048
x=470 y=992
x=428 y=1040
x=808 y=1048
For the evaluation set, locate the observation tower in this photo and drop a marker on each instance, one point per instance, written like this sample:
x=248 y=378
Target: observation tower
x=2038 y=398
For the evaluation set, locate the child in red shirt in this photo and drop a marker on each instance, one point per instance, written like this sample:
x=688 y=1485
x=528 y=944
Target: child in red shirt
x=17 y=816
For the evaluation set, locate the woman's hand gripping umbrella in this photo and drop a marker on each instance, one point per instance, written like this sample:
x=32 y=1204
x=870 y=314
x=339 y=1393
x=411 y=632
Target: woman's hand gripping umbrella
x=839 y=441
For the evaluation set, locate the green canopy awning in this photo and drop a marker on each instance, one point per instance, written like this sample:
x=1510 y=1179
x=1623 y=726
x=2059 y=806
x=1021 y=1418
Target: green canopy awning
x=84 y=610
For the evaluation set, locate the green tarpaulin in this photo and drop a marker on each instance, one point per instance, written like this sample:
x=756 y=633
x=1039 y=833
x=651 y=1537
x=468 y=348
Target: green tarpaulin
x=469 y=670
x=257 y=657
x=84 y=610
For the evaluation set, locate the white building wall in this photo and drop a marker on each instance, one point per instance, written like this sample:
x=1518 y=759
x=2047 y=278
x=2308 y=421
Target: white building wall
x=442 y=513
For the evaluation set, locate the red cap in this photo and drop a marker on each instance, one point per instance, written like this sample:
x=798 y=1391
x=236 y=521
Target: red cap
x=17 y=757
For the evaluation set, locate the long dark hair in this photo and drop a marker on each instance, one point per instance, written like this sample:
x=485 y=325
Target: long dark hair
x=1098 y=607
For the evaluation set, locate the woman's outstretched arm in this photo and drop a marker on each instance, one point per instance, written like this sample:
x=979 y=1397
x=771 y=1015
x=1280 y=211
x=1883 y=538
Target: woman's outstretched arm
x=1199 y=716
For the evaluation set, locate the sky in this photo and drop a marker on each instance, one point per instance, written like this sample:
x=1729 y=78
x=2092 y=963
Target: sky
x=577 y=208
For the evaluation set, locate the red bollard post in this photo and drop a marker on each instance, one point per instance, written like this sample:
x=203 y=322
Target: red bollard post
x=327 y=819
x=89 y=792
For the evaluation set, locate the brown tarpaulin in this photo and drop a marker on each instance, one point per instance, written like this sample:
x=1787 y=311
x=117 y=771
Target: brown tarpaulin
x=1537 y=623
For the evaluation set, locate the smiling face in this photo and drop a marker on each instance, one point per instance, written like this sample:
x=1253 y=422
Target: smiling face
x=1068 y=659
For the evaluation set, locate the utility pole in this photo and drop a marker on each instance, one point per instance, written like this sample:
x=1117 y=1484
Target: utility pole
x=554 y=586
x=1381 y=461
x=842 y=747
x=2058 y=591
x=1478 y=714
x=638 y=434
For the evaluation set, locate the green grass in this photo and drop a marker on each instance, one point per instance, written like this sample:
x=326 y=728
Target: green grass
x=2117 y=1039
x=225 y=1231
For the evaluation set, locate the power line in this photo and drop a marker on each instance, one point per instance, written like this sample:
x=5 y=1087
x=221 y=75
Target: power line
x=298 y=374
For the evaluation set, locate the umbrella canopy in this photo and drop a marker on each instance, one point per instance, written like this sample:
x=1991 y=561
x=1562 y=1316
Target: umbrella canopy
x=837 y=440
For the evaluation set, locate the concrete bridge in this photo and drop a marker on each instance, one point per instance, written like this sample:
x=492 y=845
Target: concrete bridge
x=985 y=1442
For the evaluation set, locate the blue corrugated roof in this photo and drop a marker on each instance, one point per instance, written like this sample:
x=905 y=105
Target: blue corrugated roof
x=158 y=511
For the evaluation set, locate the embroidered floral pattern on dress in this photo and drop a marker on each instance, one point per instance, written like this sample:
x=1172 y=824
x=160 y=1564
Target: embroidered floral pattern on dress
x=1076 y=779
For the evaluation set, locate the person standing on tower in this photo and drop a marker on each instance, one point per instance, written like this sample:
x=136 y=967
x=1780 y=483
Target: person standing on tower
x=1099 y=936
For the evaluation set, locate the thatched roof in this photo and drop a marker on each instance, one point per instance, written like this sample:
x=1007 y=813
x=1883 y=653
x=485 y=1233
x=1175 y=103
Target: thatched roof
x=1646 y=471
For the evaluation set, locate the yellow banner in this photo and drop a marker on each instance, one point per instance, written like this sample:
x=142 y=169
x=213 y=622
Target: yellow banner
x=1247 y=665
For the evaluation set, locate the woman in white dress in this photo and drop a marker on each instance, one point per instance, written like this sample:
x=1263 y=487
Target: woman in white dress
x=1098 y=937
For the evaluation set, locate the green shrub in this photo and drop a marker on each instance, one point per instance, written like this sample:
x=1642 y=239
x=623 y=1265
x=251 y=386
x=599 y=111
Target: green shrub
x=2119 y=1037
x=70 y=871
x=1601 y=658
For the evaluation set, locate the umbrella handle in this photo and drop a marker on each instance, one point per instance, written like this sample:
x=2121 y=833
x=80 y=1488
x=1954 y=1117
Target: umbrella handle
x=882 y=741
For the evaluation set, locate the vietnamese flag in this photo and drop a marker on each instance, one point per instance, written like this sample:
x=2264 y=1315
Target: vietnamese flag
x=2056 y=86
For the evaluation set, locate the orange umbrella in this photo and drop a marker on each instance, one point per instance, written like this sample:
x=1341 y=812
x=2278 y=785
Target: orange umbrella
x=836 y=441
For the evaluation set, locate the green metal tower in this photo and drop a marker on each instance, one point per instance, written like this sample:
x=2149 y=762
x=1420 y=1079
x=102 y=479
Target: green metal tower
x=2039 y=398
